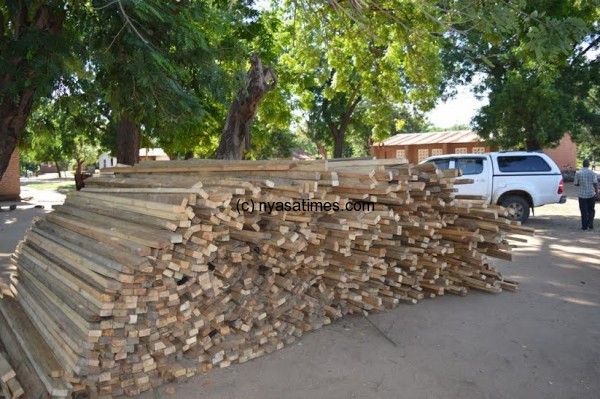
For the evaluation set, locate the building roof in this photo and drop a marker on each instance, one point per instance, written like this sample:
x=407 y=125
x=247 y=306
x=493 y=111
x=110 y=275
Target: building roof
x=455 y=136
x=152 y=152
x=300 y=154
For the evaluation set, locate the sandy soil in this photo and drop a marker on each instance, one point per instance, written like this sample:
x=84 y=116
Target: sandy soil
x=540 y=342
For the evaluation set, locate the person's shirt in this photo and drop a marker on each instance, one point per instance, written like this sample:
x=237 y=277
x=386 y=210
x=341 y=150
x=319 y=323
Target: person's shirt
x=586 y=179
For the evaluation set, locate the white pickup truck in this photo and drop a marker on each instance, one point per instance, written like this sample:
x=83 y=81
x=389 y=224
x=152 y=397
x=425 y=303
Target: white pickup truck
x=518 y=180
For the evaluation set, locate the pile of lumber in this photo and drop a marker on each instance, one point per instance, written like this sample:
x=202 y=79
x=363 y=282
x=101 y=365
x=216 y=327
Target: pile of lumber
x=167 y=269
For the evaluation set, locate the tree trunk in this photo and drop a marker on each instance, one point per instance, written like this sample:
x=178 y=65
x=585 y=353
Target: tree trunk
x=13 y=118
x=321 y=150
x=259 y=81
x=339 y=133
x=338 y=143
x=128 y=142
x=79 y=184
x=533 y=144
x=57 y=166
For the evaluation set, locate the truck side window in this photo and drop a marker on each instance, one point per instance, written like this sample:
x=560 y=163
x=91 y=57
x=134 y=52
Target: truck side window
x=470 y=166
x=442 y=164
x=523 y=163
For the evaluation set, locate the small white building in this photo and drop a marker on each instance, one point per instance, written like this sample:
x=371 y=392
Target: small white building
x=105 y=160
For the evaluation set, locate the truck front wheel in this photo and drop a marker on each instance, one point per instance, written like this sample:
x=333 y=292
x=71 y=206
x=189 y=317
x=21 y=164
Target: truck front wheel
x=520 y=207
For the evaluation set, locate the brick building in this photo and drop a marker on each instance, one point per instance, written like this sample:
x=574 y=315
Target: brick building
x=565 y=153
x=10 y=184
x=417 y=146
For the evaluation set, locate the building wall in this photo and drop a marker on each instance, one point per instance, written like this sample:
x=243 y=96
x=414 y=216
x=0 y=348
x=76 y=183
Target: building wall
x=415 y=153
x=565 y=154
x=10 y=184
x=154 y=158
x=106 y=161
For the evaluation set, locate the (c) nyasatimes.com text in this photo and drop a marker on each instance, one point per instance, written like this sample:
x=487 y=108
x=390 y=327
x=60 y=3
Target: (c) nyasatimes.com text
x=303 y=206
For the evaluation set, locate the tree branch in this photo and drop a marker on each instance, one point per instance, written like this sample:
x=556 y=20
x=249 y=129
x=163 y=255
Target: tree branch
x=128 y=21
x=591 y=46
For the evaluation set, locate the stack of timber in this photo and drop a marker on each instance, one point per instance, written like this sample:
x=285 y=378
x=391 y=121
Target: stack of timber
x=157 y=272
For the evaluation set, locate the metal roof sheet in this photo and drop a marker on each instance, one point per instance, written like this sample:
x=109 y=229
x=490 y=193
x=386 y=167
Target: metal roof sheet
x=152 y=152
x=454 y=136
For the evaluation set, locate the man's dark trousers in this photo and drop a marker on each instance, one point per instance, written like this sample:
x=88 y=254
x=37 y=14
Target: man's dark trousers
x=586 y=207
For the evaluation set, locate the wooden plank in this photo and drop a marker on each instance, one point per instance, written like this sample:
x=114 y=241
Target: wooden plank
x=198 y=168
x=111 y=227
x=15 y=388
x=38 y=353
x=100 y=236
x=6 y=371
x=131 y=202
x=25 y=373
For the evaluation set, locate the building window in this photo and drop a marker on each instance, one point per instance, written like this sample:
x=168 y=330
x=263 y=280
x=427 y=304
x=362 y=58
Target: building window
x=478 y=150
x=437 y=151
x=422 y=154
x=461 y=150
x=400 y=153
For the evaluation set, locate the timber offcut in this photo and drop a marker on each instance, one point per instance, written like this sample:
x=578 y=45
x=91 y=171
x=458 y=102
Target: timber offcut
x=164 y=270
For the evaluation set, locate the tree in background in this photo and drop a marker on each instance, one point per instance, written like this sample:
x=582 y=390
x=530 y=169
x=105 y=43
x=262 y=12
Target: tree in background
x=260 y=100
x=67 y=127
x=356 y=65
x=168 y=71
x=524 y=73
x=236 y=134
x=47 y=147
x=582 y=80
x=155 y=63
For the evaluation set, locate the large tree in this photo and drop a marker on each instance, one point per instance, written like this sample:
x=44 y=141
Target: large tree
x=255 y=36
x=371 y=58
x=168 y=69
x=374 y=56
x=236 y=134
x=525 y=74
x=155 y=63
x=35 y=43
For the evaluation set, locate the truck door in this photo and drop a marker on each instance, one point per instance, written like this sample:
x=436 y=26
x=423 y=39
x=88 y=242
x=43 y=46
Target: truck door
x=477 y=169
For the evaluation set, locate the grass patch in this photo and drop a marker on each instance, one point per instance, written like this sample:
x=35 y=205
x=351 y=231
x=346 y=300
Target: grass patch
x=61 y=187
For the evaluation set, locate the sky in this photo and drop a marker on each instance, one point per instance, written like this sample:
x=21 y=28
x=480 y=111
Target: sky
x=456 y=111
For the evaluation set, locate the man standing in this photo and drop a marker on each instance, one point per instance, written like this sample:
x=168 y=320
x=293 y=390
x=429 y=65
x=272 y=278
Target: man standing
x=588 y=189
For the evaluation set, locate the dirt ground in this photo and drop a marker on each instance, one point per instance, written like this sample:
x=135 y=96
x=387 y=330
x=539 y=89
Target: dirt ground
x=540 y=342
